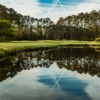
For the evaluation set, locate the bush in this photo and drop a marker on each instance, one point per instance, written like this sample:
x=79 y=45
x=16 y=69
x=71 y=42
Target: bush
x=97 y=39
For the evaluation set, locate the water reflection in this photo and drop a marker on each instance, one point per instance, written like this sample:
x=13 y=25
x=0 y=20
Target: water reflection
x=62 y=73
x=82 y=60
x=44 y=84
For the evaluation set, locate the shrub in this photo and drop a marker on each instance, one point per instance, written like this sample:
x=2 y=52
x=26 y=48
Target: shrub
x=97 y=39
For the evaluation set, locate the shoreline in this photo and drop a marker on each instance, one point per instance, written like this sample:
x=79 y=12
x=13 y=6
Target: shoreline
x=16 y=47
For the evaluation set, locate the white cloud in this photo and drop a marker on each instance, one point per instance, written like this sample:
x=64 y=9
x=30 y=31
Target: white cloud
x=28 y=7
x=87 y=7
x=36 y=9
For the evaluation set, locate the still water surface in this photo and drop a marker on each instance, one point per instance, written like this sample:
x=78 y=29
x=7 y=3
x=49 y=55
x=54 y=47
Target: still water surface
x=59 y=74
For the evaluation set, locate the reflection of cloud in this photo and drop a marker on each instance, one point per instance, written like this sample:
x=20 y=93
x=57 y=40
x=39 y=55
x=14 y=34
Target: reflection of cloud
x=24 y=86
x=93 y=88
x=66 y=82
x=72 y=85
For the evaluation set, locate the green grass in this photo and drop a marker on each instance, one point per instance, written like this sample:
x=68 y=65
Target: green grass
x=14 y=47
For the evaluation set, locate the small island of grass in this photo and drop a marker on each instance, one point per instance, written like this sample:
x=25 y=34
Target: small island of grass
x=14 y=47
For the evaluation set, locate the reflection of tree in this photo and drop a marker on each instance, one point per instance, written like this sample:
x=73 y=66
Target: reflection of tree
x=97 y=49
x=6 y=69
x=81 y=65
x=82 y=60
x=27 y=61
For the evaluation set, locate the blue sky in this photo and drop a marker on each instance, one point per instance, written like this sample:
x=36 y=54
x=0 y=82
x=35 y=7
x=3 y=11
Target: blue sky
x=46 y=1
x=51 y=8
x=64 y=2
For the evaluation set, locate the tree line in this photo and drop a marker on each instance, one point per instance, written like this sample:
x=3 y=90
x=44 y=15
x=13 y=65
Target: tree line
x=84 y=26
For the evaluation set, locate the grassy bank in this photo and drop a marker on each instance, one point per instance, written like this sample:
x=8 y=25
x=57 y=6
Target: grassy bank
x=14 y=47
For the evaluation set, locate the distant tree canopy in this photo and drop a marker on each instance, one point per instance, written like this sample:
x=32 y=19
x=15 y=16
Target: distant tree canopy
x=84 y=26
x=6 y=30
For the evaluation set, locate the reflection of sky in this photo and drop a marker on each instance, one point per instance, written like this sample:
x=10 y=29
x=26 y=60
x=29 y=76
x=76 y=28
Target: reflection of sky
x=50 y=84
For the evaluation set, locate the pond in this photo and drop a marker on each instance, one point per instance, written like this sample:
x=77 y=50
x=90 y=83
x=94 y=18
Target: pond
x=59 y=74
